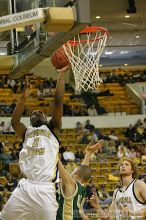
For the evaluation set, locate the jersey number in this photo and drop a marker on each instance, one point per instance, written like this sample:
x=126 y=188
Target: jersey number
x=35 y=142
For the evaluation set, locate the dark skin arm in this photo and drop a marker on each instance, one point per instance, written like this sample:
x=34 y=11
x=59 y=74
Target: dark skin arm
x=18 y=126
x=57 y=110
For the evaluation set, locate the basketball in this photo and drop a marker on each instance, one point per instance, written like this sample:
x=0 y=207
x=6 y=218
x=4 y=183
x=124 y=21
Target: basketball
x=59 y=59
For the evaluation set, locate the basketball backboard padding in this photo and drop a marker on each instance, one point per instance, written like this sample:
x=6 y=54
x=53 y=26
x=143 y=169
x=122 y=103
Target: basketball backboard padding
x=22 y=19
x=59 y=19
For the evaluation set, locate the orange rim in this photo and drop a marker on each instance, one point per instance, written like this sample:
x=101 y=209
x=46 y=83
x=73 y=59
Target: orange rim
x=93 y=29
x=89 y=30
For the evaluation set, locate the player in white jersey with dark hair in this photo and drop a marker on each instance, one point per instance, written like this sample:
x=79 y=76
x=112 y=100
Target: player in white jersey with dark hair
x=129 y=200
x=35 y=196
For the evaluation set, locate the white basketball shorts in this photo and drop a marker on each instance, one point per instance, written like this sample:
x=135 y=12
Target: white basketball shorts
x=31 y=201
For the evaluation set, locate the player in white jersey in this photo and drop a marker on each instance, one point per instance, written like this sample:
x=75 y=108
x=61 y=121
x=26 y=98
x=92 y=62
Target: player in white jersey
x=129 y=200
x=35 y=197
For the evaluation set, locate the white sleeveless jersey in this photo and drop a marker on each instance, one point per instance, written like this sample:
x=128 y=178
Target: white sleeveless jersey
x=127 y=198
x=39 y=155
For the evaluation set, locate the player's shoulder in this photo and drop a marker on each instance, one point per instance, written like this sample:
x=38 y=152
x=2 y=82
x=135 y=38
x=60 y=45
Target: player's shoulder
x=29 y=128
x=116 y=190
x=139 y=183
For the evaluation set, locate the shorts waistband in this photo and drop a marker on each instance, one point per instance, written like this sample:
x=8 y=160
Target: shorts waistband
x=40 y=182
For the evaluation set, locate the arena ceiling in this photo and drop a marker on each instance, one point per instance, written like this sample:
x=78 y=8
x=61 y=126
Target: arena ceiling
x=126 y=42
x=127 y=39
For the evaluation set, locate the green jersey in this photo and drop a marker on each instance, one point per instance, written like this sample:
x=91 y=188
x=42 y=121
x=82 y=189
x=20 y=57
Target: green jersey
x=69 y=208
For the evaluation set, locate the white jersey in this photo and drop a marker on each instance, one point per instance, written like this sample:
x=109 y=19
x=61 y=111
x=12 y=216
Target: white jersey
x=39 y=155
x=127 y=198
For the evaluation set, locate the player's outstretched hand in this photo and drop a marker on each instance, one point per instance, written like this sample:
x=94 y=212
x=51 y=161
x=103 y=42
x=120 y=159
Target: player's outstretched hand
x=94 y=201
x=64 y=69
x=92 y=148
x=26 y=90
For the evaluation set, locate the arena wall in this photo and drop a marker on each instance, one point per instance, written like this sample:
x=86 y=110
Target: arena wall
x=108 y=121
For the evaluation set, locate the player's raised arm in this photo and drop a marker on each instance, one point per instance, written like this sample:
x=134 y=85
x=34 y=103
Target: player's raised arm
x=91 y=149
x=67 y=182
x=57 y=110
x=19 y=127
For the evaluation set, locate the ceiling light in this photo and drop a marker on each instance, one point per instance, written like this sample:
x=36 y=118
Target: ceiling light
x=137 y=36
x=98 y=17
x=127 y=16
x=108 y=52
x=124 y=52
x=125 y=64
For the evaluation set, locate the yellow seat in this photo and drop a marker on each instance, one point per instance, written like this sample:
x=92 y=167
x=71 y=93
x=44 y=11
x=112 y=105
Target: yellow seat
x=3 y=180
x=14 y=169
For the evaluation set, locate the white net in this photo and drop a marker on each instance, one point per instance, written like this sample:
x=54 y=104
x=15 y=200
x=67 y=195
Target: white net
x=84 y=55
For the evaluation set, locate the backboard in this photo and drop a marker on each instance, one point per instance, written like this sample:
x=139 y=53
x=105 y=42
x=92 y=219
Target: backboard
x=30 y=43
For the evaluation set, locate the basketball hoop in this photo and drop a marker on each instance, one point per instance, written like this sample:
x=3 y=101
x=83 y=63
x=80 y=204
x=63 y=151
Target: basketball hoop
x=84 y=53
